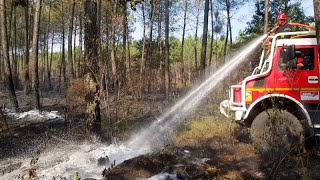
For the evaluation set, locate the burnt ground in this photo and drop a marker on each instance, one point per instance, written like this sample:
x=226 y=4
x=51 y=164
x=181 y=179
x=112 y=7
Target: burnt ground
x=226 y=154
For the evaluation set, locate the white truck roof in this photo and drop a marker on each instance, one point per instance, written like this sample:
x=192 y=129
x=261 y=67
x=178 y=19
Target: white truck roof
x=297 y=41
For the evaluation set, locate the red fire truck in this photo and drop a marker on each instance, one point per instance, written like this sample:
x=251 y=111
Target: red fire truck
x=280 y=100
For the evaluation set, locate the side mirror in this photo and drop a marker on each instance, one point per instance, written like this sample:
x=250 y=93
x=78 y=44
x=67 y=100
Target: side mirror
x=287 y=54
x=291 y=52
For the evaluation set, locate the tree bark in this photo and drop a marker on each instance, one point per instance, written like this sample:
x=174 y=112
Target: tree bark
x=266 y=10
x=14 y=50
x=50 y=63
x=70 y=60
x=212 y=34
x=228 y=5
x=113 y=48
x=91 y=58
x=160 y=49
x=204 y=40
x=225 y=44
x=5 y=52
x=149 y=50
x=26 y=76
x=80 y=44
x=143 y=58
x=124 y=42
x=63 y=55
x=182 y=41
x=316 y=5
x=167 y=46
x=47 y=45
x=196 y=36
x=34 y=64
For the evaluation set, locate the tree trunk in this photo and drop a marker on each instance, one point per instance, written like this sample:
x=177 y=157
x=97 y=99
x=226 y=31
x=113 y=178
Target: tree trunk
x=160 y=49
x=316 y=5
x=204 y=40
x=229 y=19
x=113 y=48
x=91 y=58
x=266 y=10
x=149 y=50
x=34 y=64
x=167 y=46
x=212 y=35
x=5 y=52
x=70 y=60
x=50 y=63
x=182 y=42
x=80 y=45
x=143 y=59
x=196 y=37
x=124 y=43
x=225 y=44
x=26 y=77
x=14 y=51
x=47 y=44
x=63 y=56
x=74 y=51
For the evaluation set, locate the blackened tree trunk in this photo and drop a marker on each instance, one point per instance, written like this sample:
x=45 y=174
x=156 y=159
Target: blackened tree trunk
x=196 y=36
x=225 y=44
x=316 y=5
x=149 y=50
x=160 y=48
x=26 y=77
x=114 y=75
x=91 y=58
x=80 y=45
x=70 y=60
x=204 y=40
x=49 y=62
x=34 y=64
x=124 y=43
x=228 y=5
x=212 y=34
x=143 y=57
x=5 y=52
x=182 y=42
x=167 y=46
x=63 y=54
x=14 y=50
x=266 y=10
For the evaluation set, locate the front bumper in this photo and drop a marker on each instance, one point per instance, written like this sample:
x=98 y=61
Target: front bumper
x=236 y=113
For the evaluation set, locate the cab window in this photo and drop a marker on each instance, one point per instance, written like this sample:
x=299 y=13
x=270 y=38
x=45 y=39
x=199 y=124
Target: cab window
x=303 y=59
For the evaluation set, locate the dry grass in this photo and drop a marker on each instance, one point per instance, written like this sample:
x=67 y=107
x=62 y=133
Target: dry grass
x=217 y=139
x=199 y=132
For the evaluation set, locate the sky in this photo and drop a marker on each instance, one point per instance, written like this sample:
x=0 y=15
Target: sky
x=239 y=19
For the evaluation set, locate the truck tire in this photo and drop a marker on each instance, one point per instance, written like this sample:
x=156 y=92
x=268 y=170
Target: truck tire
x=276 y=132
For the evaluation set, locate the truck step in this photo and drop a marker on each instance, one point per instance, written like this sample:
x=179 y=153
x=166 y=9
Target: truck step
x=316 y=126
x=315 y=116
x=316 y=130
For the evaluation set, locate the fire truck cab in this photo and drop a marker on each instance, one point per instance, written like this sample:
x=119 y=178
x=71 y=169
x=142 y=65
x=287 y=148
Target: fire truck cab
x=282 y=92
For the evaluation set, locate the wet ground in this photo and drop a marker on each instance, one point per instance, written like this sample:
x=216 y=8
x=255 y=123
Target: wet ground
x=219 y=156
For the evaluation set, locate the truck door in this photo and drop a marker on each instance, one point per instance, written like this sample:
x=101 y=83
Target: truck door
x=307 y=74
x=302 y=80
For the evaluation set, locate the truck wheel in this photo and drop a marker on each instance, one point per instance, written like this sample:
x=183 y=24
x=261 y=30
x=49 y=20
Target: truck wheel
x=276 y=132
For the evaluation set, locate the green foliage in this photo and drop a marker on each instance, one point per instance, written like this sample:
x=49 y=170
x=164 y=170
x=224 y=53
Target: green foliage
x=293 y=11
